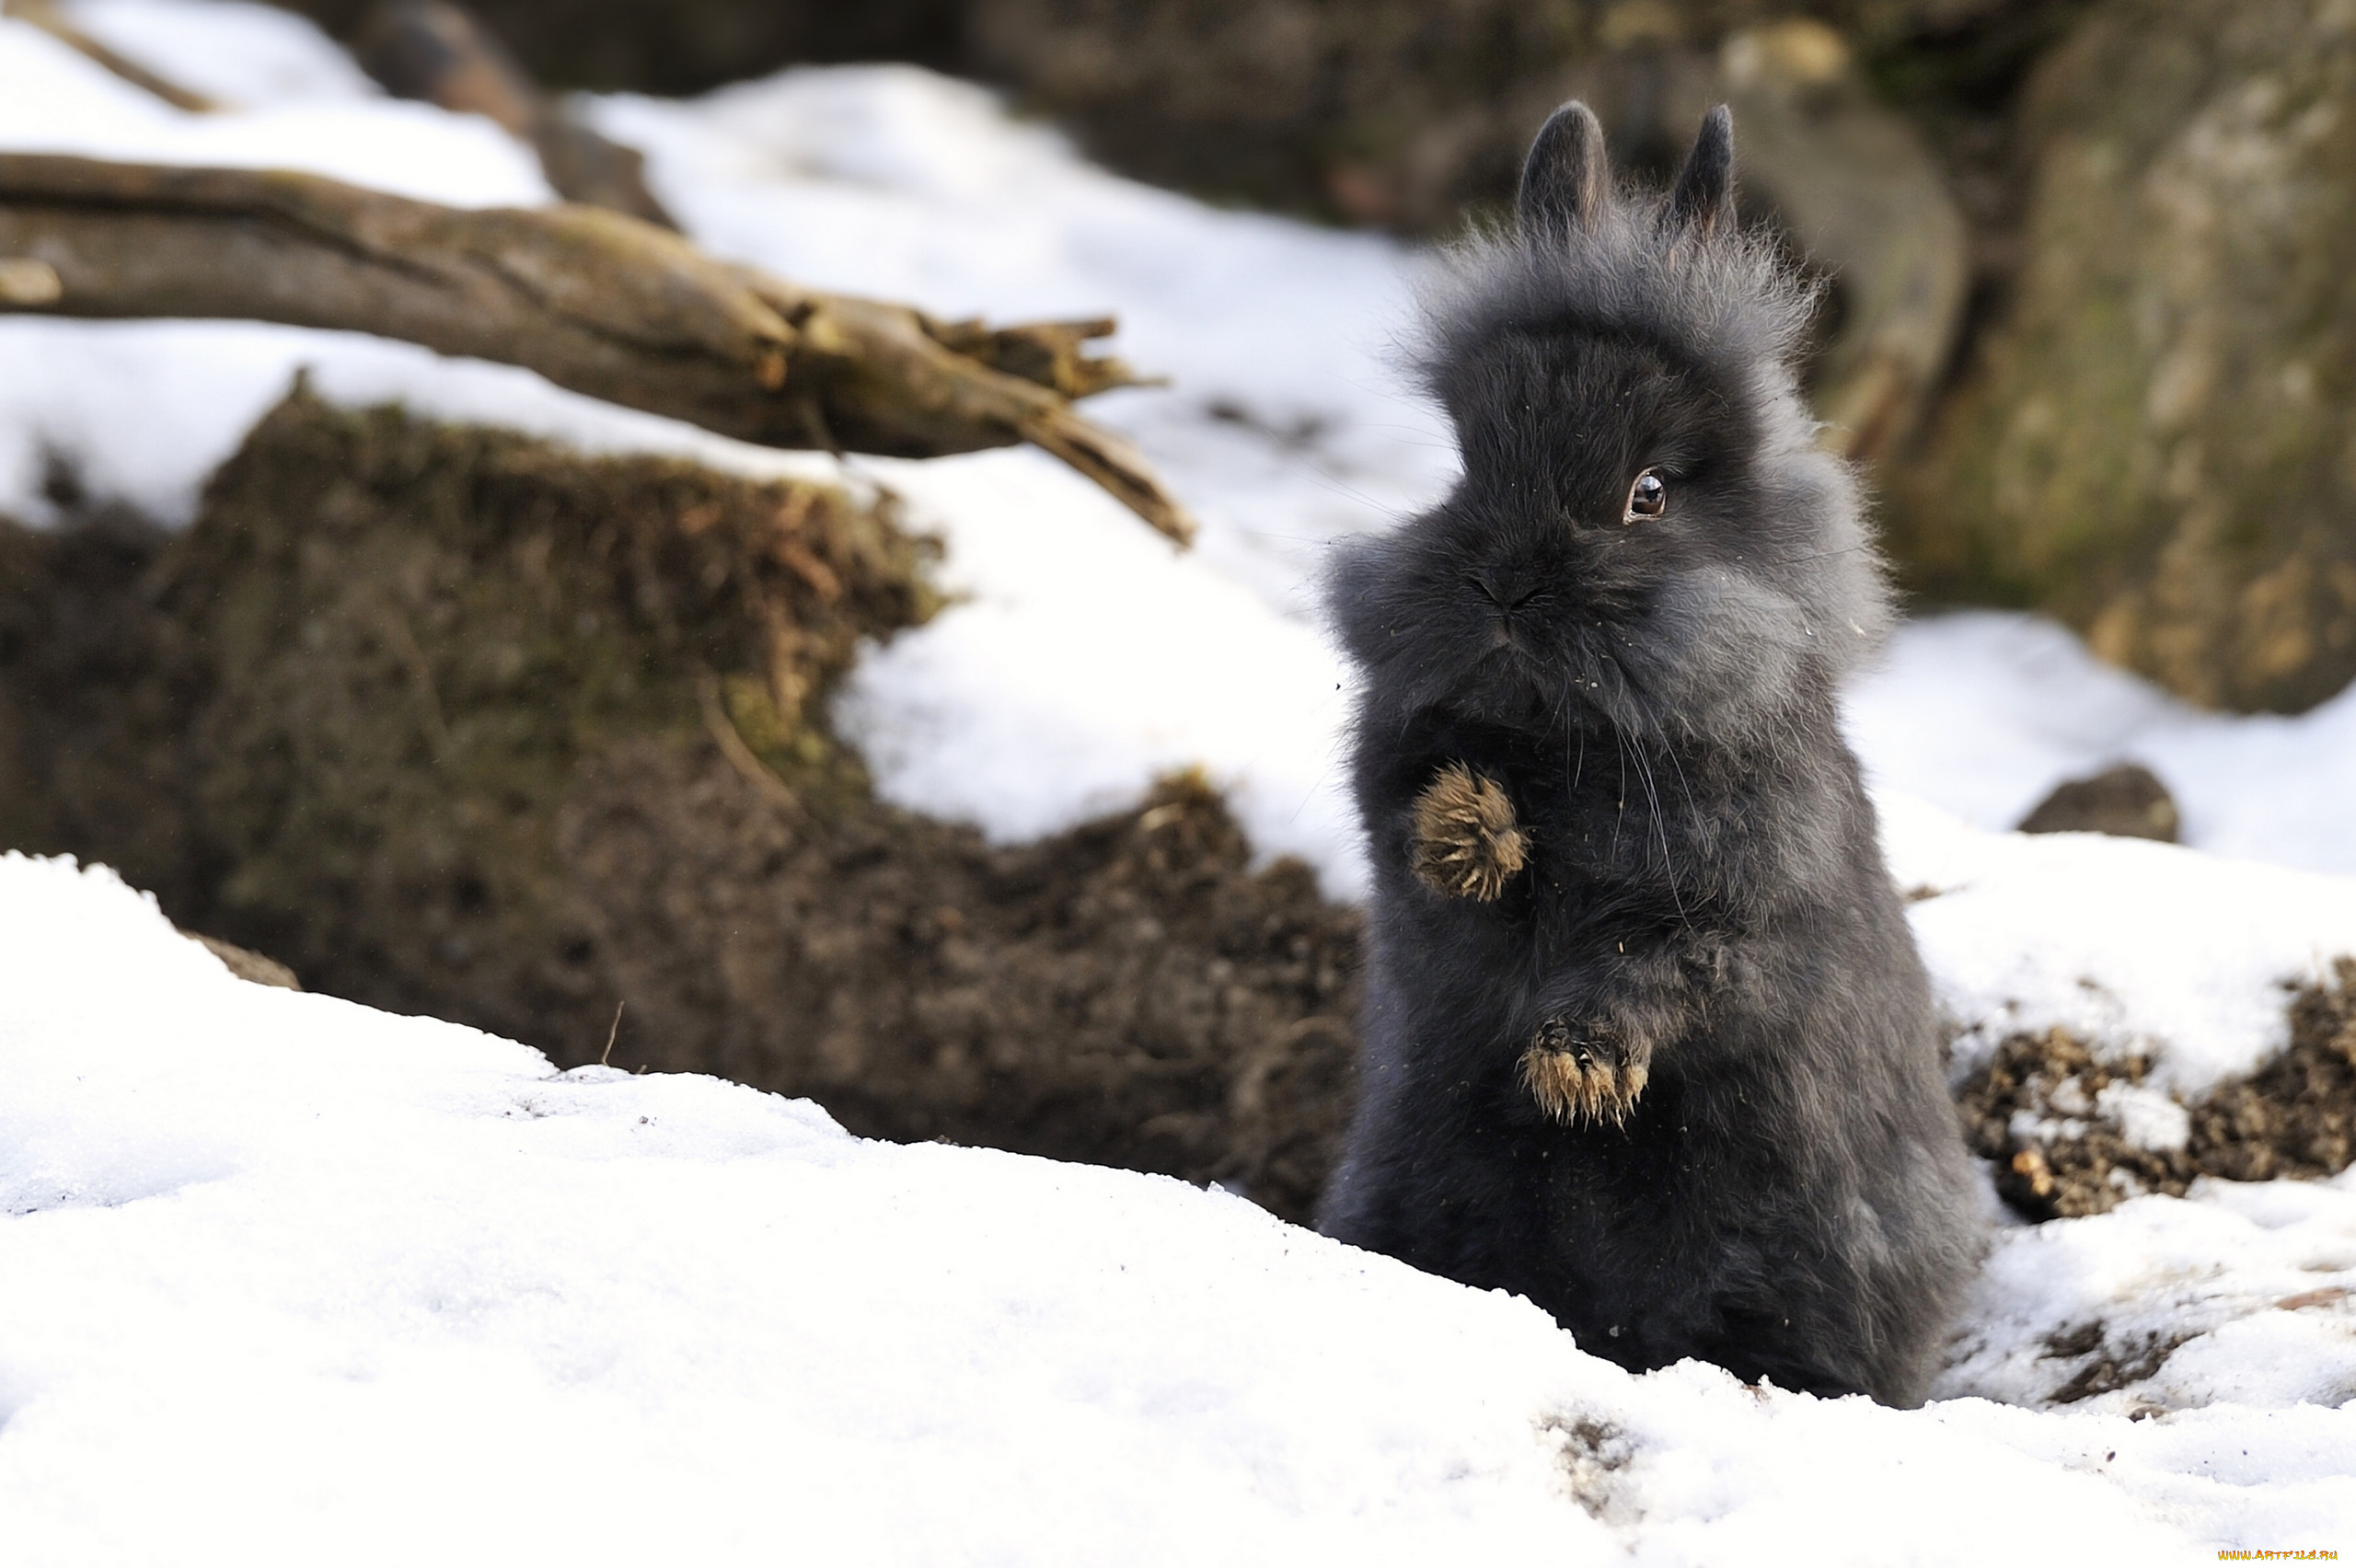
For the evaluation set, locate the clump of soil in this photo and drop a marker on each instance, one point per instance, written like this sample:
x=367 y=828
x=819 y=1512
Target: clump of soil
x=1591 y=1453
x=2295 y=1116
x=2107 y=1367
x=1130 y=993
x=456 y=723
x=2037 y=1110
x=93 y=687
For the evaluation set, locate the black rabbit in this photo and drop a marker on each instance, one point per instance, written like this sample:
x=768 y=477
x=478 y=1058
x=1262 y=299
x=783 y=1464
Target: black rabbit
x=1646 y=1037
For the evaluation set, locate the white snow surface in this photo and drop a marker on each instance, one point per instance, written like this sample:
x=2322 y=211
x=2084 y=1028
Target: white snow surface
x=331 y=1285
x=52 y=99
x=290 y=1280
x=2139 y=948
x=237 y=54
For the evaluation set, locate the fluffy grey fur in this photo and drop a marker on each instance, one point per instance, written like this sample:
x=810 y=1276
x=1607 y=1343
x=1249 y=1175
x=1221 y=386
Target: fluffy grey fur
x=1704 y=917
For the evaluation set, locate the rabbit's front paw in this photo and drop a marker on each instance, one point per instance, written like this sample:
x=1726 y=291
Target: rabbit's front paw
x=1574 y=1077
x=1467 y=845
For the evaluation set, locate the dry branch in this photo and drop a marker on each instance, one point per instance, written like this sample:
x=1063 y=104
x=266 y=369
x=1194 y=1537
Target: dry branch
x=593 y=300
x=44 y=15
x=437 y=51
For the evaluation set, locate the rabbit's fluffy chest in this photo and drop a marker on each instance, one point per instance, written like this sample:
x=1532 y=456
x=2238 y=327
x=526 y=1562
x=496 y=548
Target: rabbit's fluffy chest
x=1617 y=837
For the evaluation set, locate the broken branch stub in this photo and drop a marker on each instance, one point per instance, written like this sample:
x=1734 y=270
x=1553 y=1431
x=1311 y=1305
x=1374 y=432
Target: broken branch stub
x=439 y=53
x=593 y=300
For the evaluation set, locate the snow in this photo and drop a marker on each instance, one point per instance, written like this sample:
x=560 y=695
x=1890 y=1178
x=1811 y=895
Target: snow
x=1161 y=662
x=231 y=52
x=57 y=101
x=333 y=1285
x=1984 y=711
x=2141 y=947
x=2256 y=1278
x=323 y=1282
x=143 y=411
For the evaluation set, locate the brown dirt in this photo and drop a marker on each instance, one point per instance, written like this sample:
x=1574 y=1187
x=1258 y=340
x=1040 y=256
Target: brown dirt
x=453 y=722
x=2107 y=1367
x=2295 y=1116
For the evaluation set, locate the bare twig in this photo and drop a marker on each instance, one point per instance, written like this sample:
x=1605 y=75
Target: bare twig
x=605 y=1057
x=741 y=756
x=436 y=50
x=44 y=15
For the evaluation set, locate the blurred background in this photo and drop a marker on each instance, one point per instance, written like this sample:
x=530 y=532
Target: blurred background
x=2091 y=260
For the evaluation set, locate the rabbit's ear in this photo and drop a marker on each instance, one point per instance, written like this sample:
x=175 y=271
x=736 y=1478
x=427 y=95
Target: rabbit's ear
x=1704 y=198
x=1567 y=178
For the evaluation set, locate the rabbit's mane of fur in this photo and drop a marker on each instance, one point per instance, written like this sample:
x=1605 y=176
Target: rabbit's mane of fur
x=1694 y=928
x=1725 y=303
x=1727 y=296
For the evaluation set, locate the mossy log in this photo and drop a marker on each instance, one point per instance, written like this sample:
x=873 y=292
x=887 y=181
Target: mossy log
x=593 y=300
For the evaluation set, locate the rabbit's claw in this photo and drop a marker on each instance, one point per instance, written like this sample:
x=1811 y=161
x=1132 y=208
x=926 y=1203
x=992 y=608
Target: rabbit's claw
x=1467 y=844
x=1574 y=1078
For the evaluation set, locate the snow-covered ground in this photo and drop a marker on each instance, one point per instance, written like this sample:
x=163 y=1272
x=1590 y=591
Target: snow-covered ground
x=291 y=1281
x=291 y=1274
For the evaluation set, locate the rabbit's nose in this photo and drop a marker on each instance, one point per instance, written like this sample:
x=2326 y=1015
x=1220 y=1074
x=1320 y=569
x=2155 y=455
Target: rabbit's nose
x=1507 y=597
x=1503 y=597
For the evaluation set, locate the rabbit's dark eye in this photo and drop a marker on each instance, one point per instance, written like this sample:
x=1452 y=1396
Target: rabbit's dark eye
x=1648 y=496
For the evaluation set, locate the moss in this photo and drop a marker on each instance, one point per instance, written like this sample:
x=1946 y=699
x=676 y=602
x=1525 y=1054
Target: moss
x=2152 y=442
x=416 y=633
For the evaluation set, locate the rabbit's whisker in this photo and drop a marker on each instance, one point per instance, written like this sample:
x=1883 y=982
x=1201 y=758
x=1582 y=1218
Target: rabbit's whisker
x=1661 y=831
x=1621 y=740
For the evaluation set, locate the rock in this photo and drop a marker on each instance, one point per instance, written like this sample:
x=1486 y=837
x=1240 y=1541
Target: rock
x=2126 y=802
x=2158 y=440
x=1848 y=182
x=1406 y=116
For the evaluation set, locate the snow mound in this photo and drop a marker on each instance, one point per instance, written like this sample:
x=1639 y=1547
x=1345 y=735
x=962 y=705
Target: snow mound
x=1983 y=712
x=2242 y=1294
x=296 y=1265
x=1084 y=660
x=235 y=53
x=2134 y=948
